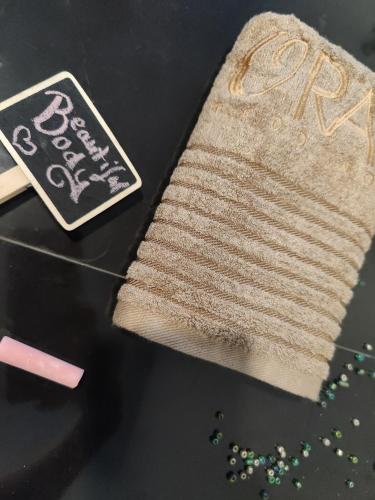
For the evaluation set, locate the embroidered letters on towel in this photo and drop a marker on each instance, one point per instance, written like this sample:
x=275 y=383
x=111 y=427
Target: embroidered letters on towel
x=312 y=89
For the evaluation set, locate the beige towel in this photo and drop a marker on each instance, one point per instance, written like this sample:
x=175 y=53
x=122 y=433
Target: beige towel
x=257 y=243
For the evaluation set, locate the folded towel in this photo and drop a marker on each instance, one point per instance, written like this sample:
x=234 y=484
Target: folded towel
x=259 y=237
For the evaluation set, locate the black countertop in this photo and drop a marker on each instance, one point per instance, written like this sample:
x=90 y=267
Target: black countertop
x=138 y=425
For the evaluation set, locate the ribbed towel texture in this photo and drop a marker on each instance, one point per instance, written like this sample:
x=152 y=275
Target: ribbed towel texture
x=258 y=240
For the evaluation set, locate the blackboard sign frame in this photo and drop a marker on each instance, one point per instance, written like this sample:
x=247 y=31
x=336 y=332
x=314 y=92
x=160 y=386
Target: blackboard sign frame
x=12 y=182
x=42 y=193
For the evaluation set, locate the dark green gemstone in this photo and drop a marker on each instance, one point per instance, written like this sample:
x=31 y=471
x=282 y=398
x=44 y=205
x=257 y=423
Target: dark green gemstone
x=249 y=461
x=358 y=356
x=251 y=454
x=214 y=440
x=264 y=494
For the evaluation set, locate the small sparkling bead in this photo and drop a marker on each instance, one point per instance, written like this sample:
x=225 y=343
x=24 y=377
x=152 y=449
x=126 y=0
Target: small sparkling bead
x=344 y=377
x=305 y=453
x=232 y=460
x=243 y=454
x=271 y=480
x=330 y=395
x=286 y=468
x=235 y=448
x=336 y=433
x=277 y=481
x=349 y=483
x=243 y=475
x=339 y=452
x=271 y=459
x=280 y=464
x=249 y=461
x=250 y=454
x=297 y=483
x=332 y=386
x=294 y=461
x=270 y=472
x=326 y=441
x=219 y=435
x=256 y=462
x=353 y=459
x=219 y=415
x=214 y=440
x=371 y=373
x=249 y=470
x=262 y=460
x=306 y=446
x=280 y=449
x=283 y=454
x=356 y=422
x=367 y=347
x=358 y=356
x=343 y=384
x=323 y=404
x=349 y=366
x=360 y=371
x=264 y=494
x=232 y=477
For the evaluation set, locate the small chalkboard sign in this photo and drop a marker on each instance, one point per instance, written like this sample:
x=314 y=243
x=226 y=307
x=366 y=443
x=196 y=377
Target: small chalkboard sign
x=56 y=135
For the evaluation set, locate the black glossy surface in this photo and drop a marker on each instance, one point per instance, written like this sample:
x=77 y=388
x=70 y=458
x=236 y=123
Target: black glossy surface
x=137 y=427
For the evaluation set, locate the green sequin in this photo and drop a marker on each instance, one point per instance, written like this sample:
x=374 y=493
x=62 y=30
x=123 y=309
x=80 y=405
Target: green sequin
x=294 y=461
x=251 y=454
x=349 y=483
x=336 y=433
x=249 y=461
x=264 y=494
x=271 y=459
x=262 y=459
x=353 y=459
x=306 y=446
x=277 y=481
x=358 y=356
x=271 y=479
x=214 y=440
x=332 y=386
x=330 y=395
x=297 y=483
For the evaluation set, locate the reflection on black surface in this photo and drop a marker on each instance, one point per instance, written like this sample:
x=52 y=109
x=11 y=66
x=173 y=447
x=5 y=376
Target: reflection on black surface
x=89 y=414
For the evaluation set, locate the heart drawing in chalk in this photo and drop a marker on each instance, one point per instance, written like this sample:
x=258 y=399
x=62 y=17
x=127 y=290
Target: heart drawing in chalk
x=21 y=139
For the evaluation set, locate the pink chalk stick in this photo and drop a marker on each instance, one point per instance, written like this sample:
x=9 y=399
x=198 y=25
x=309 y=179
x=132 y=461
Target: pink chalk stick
x=34 y=361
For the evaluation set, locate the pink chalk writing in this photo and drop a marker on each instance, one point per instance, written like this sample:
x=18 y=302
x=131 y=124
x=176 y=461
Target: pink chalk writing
x=22 y=140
